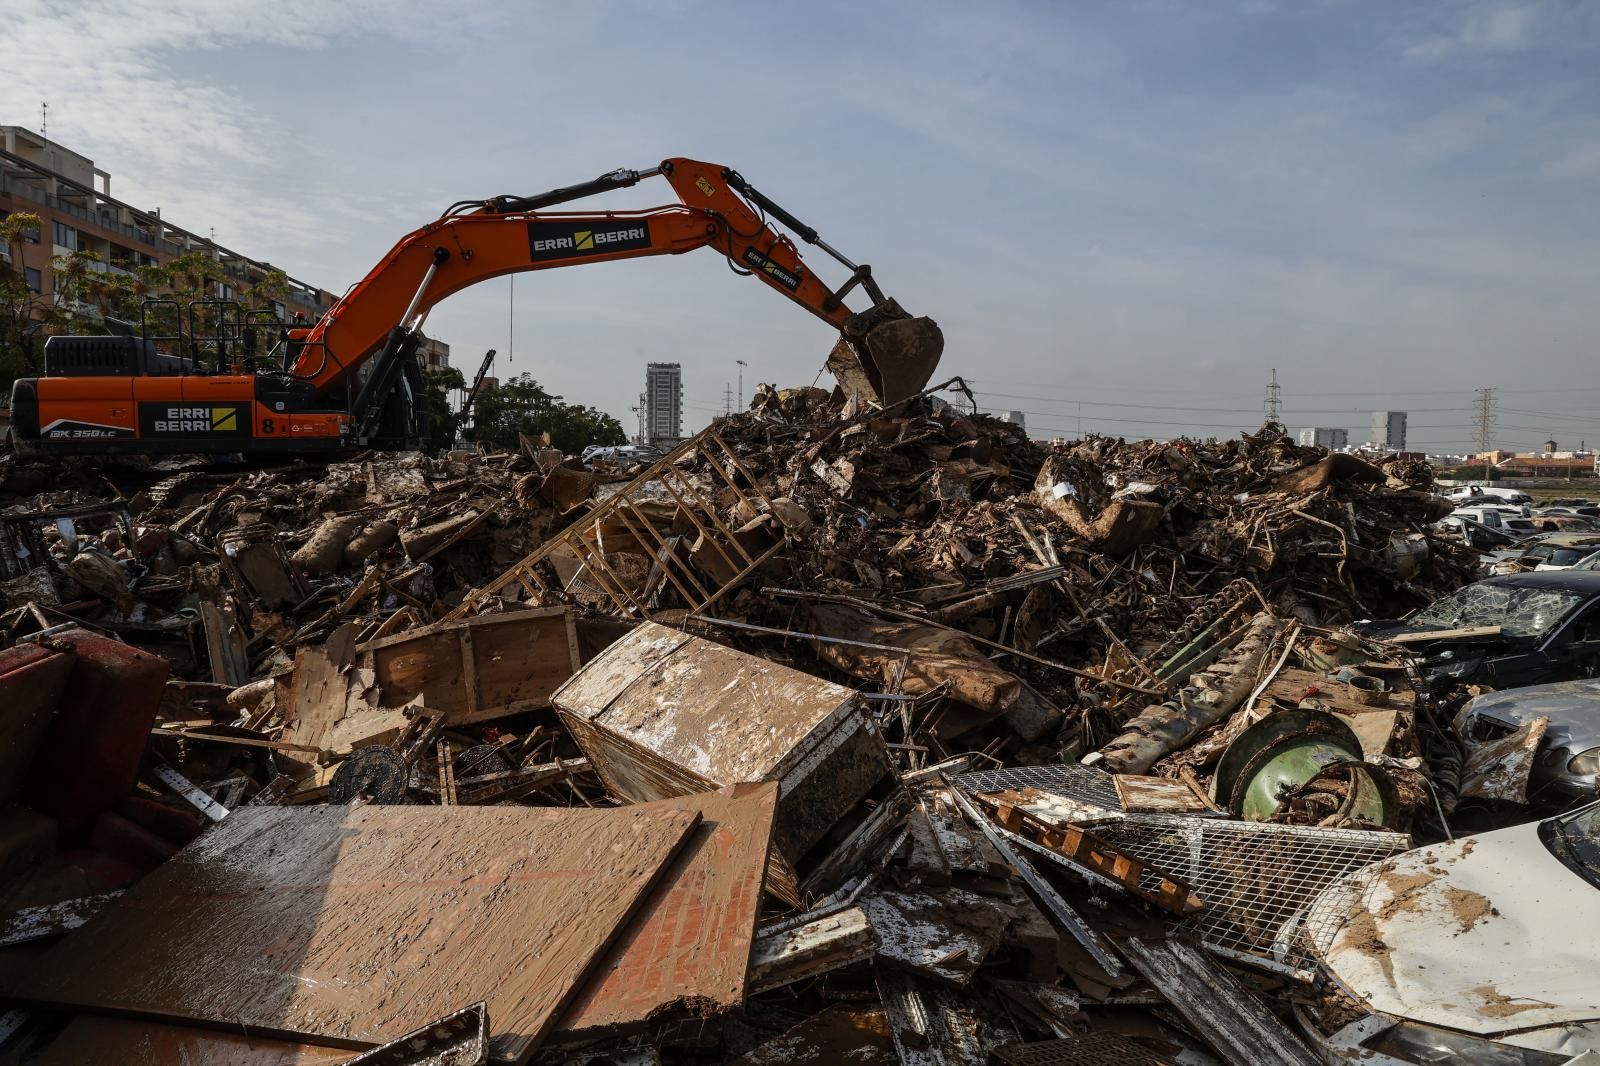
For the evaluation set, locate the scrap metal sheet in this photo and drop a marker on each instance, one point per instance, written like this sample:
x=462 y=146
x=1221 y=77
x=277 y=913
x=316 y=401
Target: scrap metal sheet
x=351 y=927
x=1235 y=1023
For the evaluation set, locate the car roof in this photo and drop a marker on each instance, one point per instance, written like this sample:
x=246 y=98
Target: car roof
x=1570 y=540
x=1583 y=582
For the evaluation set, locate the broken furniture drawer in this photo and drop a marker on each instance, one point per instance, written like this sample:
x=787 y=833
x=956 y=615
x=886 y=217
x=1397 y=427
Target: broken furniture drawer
x=478 y=669
x=661 y=713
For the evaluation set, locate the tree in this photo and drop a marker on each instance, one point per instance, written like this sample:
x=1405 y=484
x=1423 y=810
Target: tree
x=21 y=309
x=84 y=295
x=444 y=425
x=520 y=405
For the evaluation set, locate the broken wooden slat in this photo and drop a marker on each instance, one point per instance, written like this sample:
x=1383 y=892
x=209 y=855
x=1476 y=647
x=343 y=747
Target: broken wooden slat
x=817 y=947
x=222 y=738
x=1086 y=849
x=445 y=758
x=933 y=1026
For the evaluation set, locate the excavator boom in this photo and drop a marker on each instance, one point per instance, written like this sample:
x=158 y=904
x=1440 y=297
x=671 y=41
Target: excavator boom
x=883 y=354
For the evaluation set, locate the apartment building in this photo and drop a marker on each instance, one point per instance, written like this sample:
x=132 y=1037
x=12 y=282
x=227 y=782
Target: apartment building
x=663 y=390
x=73 y=199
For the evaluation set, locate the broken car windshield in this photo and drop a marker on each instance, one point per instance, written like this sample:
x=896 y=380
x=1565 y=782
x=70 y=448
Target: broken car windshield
x=1575 y=839
x=1519 y=612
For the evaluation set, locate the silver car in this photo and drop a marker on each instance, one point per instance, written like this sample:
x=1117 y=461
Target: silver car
x=1567 y=767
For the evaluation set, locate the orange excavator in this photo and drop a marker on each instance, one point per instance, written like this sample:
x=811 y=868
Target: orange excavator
x=214 y=387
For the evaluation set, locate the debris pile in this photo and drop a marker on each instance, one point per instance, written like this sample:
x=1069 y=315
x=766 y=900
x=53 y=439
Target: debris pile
x=833 y=736
x=228 y=573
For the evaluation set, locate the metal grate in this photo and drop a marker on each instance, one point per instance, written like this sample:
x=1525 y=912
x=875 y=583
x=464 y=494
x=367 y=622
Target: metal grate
x=1092 y=1049
x=1258 y=881
x=1087 y=784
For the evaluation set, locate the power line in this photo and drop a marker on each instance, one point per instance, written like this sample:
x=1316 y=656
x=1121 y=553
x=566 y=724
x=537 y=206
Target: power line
x=1206 y=410
x=1273 y=404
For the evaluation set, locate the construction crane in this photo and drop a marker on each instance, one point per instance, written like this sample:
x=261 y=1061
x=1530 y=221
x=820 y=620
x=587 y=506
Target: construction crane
x=214 y=390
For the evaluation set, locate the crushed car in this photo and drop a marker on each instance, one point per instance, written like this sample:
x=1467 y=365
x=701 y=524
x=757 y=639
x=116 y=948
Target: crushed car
x=1566 y=767
x=1553 y=551
x=1505 y=631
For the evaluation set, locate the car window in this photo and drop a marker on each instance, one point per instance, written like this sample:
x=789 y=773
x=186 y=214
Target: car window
x=1568 y=556
x=1518 y=611
x=1575 y=840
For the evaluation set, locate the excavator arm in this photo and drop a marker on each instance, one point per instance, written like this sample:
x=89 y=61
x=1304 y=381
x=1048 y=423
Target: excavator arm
x=124 y=394
x=883 y=353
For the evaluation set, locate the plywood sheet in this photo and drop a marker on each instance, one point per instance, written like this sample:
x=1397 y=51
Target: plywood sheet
x=688 y=950
x=93 y=1041
x=351 y=927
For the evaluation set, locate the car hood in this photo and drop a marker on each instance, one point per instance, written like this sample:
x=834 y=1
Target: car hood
x=1487 y=934
x=1392 y=627
x=1573 y=708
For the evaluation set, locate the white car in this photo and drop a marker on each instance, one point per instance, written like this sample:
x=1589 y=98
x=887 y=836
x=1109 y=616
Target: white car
x=1488 y=494
x=1479 y=950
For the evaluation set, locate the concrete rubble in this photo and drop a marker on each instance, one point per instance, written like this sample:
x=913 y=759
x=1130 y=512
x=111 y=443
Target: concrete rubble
x=837 y=735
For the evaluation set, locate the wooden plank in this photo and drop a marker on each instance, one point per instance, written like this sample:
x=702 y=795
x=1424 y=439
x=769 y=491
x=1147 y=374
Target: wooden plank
x=1470 y=633
x=469 y=671
x=223 y=738
x=351 y=927
x=221 y=648
x=688 y=951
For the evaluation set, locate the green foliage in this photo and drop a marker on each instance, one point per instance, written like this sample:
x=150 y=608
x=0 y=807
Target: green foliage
x=521 y=406
x=444 y=425
x=20 y=309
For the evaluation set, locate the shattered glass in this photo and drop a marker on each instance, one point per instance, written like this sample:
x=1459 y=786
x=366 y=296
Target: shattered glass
x=1575 y=839
x=1519 y=612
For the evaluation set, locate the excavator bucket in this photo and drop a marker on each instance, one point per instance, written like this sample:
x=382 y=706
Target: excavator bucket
x=885 y=355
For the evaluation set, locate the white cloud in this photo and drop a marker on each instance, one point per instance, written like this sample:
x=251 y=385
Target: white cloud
x=207 y=156
x=1490 y=27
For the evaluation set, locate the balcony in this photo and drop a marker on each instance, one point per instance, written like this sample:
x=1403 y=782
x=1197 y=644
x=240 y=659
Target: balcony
x=23 y=190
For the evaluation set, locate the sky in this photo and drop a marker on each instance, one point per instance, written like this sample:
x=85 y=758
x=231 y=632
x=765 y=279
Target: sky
x=1123 y=214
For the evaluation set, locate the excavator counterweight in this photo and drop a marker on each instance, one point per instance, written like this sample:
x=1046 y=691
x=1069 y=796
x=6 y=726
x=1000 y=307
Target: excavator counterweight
x=352 y=378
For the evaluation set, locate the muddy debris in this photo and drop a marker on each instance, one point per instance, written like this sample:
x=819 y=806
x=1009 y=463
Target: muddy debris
x=897 y=736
